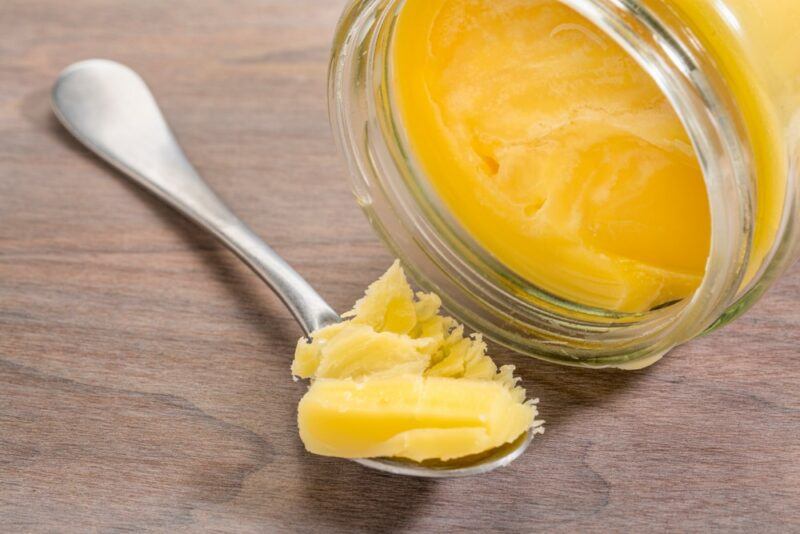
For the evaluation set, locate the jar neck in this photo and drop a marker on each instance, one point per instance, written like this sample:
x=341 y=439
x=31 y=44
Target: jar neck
x=475 y=288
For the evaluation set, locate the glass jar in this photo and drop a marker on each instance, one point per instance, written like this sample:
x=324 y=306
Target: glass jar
x=730 y=69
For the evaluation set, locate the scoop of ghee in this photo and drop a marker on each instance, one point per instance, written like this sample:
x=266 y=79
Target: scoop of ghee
x=397 y=379
x=553 y=149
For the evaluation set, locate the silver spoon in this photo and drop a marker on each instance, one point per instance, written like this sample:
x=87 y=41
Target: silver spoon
x=108 y=107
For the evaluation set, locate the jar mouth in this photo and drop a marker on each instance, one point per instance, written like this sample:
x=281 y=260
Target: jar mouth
x=484 y=293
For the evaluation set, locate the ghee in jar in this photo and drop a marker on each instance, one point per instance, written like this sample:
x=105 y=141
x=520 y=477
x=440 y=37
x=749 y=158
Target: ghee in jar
x=754 y=44
x=553 y=149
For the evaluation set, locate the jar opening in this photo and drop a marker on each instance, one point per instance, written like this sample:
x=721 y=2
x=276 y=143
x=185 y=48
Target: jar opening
x=481 y=291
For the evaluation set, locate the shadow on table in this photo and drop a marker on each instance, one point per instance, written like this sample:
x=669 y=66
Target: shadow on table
x=566 y=392
x=345 y=495
x=349 y=497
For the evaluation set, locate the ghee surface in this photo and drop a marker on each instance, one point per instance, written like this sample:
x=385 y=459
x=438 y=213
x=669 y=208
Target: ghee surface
x=397 y=379
x=553 y=149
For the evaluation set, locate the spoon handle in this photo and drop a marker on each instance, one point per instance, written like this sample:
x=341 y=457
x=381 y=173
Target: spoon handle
x=109 y=108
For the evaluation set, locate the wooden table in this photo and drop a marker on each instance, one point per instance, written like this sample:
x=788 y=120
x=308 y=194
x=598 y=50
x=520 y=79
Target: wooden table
x=144 y=372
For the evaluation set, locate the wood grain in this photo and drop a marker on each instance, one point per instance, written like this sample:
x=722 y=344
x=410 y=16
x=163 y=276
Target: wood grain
x=144 y=373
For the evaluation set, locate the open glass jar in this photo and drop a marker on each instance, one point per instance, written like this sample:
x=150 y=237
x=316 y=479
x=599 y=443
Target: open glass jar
x=731 y=71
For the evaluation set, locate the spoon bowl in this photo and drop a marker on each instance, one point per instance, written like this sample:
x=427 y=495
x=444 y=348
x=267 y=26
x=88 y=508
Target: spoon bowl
x=109 y=108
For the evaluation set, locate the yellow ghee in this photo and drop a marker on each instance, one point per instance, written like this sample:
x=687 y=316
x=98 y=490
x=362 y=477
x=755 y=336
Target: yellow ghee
x=397 y=379
x=553 y=149
x=755 y=45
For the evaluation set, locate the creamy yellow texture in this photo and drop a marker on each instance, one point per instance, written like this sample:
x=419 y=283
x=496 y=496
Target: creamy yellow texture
x=553 y=149
x=755 y=45
x=397 y=379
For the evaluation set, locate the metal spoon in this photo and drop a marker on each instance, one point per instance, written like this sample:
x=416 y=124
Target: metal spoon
x=108 y=107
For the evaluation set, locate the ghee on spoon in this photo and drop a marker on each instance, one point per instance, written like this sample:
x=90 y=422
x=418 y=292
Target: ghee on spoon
x=108 y=107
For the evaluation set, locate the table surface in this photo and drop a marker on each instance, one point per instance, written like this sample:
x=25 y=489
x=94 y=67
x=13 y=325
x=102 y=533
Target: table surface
x=144 y=372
